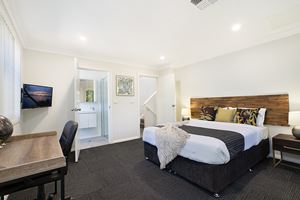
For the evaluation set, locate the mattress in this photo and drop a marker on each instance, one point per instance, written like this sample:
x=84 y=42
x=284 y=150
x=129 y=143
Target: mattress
x=208 y=149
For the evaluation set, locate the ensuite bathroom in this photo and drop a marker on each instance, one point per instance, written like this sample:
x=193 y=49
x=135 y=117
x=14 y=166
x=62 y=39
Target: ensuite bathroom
x=92 y=114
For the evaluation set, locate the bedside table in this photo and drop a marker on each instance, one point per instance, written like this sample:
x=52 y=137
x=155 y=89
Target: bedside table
x=285 y=143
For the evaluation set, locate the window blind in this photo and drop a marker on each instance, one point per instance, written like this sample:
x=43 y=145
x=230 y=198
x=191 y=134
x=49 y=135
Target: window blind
x=10 y=53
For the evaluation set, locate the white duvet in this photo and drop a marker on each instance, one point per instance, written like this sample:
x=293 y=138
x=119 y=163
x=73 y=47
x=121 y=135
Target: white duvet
x=211 y=150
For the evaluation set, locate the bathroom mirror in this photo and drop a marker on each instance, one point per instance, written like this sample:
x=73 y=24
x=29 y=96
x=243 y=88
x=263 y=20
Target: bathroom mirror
x=87 y=90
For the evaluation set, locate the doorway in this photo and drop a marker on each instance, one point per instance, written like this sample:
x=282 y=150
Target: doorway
x=148 y=101
x=92 y=109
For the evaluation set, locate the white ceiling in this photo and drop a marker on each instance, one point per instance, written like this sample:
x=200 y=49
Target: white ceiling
x=138 y=32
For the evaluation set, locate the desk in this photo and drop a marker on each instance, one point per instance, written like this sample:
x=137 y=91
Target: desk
x=31 y=160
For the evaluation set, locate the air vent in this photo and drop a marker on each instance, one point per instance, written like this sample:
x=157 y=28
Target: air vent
x=202 y=4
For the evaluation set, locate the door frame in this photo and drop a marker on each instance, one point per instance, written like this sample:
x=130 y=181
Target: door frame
x=109 y=93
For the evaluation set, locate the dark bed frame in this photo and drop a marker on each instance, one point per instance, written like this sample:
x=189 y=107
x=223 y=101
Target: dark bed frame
x=213 y=178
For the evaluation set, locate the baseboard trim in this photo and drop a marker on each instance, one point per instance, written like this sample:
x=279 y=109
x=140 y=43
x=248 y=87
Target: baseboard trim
x=126 y=139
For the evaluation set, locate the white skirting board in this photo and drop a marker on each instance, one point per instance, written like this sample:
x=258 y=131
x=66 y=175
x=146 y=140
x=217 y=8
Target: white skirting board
x=126 y=139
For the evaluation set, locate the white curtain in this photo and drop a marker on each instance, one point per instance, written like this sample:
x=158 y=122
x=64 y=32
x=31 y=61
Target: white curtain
x=9 y=74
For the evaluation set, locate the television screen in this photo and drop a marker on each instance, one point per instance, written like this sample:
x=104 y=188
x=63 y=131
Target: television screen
x=35 y=96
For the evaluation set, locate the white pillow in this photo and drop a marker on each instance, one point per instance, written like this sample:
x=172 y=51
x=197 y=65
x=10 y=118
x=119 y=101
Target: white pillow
x=261 y=117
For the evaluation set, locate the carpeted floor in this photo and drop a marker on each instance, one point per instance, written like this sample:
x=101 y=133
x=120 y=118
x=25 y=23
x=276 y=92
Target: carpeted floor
x=120 y=172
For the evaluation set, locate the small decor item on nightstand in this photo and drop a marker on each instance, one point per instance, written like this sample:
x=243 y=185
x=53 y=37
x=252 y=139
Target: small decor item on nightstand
x=6 y=130
x=294 y=119
x=296 y=131
x=185 y=114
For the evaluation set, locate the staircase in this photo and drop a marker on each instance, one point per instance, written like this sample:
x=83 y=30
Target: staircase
x=148 y=113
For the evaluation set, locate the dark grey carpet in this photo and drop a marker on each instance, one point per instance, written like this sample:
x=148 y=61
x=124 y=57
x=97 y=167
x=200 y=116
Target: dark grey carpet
x=120 y=172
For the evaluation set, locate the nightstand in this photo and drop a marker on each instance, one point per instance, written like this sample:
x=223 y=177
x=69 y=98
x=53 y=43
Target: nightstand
x=285 y=143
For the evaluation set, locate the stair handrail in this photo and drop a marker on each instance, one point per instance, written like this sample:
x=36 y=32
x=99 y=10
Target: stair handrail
x=149 y=98
x=149 y=109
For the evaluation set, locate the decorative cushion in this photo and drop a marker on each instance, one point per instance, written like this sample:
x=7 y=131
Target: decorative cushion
x=225 y=115
x=208 y=113
x=246 y=116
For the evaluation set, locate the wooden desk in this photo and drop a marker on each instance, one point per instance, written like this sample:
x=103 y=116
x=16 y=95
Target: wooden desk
x=31 y=160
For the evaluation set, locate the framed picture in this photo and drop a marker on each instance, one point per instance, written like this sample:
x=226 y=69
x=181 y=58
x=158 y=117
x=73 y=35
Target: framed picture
x=125 y=85
x=89 y=96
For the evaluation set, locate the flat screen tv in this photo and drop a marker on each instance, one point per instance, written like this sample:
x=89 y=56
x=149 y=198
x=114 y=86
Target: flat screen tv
x=36 y=96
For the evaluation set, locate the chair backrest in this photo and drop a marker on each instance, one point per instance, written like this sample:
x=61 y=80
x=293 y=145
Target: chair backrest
x=67 y=137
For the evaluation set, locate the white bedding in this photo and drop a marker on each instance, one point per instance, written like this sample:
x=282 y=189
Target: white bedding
x=211 y=150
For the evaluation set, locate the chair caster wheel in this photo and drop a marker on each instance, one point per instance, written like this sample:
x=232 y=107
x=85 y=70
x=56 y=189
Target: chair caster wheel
x=216 y=195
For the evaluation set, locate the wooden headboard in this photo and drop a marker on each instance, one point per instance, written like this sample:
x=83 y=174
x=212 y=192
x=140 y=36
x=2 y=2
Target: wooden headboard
x=277 y=106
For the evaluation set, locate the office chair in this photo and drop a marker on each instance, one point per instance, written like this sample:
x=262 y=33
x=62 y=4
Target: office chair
x=66 y=142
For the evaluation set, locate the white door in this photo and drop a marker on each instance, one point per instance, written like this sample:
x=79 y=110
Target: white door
x=76 y=108
x=166 y=101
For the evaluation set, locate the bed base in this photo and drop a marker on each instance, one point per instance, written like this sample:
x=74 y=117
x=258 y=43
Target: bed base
x=213 y=178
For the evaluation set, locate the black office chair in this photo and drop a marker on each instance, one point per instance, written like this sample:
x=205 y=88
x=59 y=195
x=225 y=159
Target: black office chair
x=67 y=138
x=66 y=142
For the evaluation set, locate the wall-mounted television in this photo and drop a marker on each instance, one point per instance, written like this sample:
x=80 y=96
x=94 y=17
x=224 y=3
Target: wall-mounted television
x=36 y=96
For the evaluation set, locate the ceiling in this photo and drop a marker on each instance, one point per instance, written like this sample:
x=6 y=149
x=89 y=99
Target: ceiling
x=138 y=32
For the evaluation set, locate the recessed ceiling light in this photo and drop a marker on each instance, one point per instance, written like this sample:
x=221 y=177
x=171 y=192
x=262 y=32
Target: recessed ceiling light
x=82 y=38
x=161 y=57
x=236 y=27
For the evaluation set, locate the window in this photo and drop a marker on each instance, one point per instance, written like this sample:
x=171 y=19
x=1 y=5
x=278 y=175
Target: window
x=10 y=53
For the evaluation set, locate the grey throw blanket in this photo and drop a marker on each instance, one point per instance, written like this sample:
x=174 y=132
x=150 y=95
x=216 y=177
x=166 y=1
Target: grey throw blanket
x=169 y=141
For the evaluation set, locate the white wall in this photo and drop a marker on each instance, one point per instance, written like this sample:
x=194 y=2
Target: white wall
x=58 y=71
x=270 y=68
x=266 y=69
x=49 y=70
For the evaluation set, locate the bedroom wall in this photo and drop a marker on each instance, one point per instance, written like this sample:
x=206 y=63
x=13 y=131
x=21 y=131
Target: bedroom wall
x=58 y=71
x=270 y=68
x=49 y=70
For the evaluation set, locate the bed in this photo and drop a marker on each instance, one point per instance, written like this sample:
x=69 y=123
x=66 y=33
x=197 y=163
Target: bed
x=206 y=161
